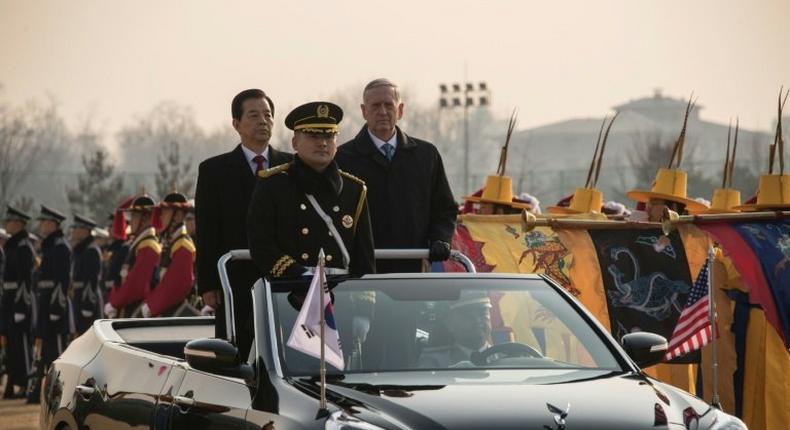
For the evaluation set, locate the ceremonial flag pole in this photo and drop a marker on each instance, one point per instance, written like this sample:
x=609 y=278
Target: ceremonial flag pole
x=322 y=323
x=712 y=317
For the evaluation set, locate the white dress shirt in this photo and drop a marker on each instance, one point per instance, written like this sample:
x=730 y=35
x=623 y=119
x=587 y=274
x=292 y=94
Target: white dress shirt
x=250 y=154
x=380 y=143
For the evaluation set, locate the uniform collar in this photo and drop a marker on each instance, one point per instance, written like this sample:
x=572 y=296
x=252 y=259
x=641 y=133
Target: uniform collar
x=18 y=237
x=146 y=233
x=84 y=244
x=50 y=240
x=313 y=182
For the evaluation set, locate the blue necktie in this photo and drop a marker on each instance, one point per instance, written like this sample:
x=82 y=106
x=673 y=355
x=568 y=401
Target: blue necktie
x=389 y=151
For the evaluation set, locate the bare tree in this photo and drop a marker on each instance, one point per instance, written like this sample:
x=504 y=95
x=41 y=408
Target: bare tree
x=98 y=188
x=30 y=136
x=172 y=172
x=149 y=142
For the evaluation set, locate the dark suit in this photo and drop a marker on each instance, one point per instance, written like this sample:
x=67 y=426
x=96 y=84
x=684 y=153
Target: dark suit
x=411 y=204
x=224 y=188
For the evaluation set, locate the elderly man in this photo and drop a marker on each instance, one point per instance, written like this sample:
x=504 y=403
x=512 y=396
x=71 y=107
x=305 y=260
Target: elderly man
x=411 y=205
x=222 y=196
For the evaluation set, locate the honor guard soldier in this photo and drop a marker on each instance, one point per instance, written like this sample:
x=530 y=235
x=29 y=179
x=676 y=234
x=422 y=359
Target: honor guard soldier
x=85 y=274
x=176 y=273
x=116 y=253
x=54 y=319
x=15 y=304
x=139 y=272
x=309 y=204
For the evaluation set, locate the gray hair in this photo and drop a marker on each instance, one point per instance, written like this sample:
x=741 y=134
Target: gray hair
x=381 y=82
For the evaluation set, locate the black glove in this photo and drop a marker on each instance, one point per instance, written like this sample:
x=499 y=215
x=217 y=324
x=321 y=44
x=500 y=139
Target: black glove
x=440 y=251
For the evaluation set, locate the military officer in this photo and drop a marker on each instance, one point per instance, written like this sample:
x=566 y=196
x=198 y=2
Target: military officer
x=139 y=272
x=115 y=255
x=15 y=304
x=85 y=274
x=309 y=204
x=466 y=327
x=176 y=268
x=54 y=320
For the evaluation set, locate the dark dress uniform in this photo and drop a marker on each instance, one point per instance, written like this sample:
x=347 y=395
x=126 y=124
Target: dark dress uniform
x=286 y=233
x=85 y=275
x=54 y=317
x=411 y=204
x=296 y=211
x=222 y=196
x=118 y=252
x=15 y=305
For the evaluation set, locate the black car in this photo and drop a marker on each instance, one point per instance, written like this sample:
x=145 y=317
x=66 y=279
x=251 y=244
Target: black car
x=422 y=351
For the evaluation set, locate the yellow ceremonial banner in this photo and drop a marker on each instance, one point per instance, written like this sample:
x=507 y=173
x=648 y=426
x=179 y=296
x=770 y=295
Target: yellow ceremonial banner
x=501 y=246
x=569 y=257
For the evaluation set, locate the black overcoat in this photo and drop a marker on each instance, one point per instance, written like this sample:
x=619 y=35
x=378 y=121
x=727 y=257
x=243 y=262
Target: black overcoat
x=411 y=203
x=224 y=187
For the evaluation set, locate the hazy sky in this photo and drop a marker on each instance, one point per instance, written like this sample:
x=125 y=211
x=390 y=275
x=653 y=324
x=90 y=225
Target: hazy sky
x=552 y=59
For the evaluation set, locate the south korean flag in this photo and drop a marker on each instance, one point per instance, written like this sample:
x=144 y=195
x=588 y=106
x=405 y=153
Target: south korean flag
x=305 y=335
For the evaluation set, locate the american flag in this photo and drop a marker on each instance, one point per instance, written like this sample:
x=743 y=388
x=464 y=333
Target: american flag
x=693 y=329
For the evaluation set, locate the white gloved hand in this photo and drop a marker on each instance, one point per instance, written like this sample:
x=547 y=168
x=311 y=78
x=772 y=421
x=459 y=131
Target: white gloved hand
x=110 y=311
x=54 y=317
x=86 y=313
x=360 y=326
x=145 y=310
x=19 y=317
x=207 y=311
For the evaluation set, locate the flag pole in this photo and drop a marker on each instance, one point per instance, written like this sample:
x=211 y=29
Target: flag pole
x=322 y=323
x=712 y=319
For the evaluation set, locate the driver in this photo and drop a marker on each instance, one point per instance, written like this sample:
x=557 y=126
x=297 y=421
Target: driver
x=468 y=324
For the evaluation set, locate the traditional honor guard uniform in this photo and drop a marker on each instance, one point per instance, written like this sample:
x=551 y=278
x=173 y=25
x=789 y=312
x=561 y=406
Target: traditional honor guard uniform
x=139 y=272
x=85 y=275
x=15 y=304
x=296 y=211
x=54 y=317
x=176 y=268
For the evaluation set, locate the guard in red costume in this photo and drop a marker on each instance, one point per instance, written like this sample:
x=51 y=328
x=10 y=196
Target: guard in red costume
x=139 y=272
x=177 y=278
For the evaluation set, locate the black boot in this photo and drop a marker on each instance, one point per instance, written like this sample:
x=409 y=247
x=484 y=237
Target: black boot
x=9 y=390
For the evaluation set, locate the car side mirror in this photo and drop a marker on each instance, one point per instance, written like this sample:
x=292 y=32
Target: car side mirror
x=646 y=349
x=217 y=356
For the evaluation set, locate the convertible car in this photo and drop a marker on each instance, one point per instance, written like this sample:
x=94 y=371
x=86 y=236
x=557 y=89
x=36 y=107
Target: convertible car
x=421 y=351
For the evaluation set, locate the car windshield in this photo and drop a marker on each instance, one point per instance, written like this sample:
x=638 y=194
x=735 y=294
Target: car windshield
x=441 y=323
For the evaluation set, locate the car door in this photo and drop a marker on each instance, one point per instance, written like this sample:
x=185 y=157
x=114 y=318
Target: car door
x=119 y=388
x=207 y=401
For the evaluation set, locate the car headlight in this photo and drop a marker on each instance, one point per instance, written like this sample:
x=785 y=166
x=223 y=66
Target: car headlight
x=724 y=421
x=341 y=420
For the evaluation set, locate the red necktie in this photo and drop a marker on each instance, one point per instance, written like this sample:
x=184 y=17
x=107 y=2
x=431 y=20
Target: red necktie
x=258 y=159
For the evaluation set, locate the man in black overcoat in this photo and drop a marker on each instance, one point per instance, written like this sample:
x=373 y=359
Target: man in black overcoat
x=224 y=187
x=411 y=205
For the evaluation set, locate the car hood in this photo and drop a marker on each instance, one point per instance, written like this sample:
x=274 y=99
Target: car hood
x=592 y=399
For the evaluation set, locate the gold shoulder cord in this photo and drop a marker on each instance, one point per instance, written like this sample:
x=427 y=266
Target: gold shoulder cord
x=362 y=195
x=274 y=170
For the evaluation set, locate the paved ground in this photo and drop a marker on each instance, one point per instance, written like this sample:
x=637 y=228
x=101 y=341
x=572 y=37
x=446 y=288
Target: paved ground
x=16 y=415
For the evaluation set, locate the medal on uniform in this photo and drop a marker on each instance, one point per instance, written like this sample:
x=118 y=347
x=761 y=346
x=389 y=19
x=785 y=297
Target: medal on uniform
x=347 y=221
